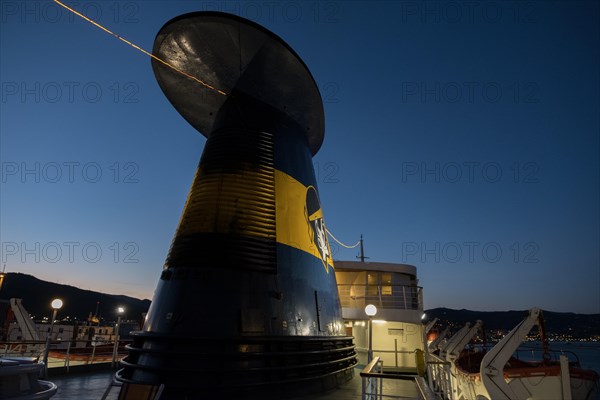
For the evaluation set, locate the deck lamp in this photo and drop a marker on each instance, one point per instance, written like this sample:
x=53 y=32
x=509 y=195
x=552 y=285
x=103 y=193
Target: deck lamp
x=371 y=311
x=120 y=312
x=56 y=305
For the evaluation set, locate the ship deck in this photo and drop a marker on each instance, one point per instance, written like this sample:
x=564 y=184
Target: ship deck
x=93 y=384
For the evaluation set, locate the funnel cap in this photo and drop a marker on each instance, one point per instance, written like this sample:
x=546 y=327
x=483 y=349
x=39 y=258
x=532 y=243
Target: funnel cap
x=234 y=54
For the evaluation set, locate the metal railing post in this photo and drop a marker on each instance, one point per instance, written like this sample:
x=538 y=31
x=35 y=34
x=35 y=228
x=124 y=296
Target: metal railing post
x=364 y=387
x=93 y=353
x=429 y=373
x=380 y=392
x=116 y=346
x=67 y=355
x=449 y=382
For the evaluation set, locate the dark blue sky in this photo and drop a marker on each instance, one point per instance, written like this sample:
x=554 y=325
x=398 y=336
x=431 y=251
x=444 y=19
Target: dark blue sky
x=461 y=137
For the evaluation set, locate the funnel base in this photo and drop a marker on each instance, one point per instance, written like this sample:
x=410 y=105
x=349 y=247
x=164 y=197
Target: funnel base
x=249 y=366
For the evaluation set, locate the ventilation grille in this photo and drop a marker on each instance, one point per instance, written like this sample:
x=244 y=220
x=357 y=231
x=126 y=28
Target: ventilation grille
x=229 y=216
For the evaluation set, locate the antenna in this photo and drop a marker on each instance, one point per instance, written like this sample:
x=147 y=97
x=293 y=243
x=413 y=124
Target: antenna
x=362 y=250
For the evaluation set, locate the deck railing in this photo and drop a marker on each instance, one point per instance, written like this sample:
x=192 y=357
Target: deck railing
x=397 y=355
x=372 y=377
x=440 y=376
x=76 y=352
x=402 y=297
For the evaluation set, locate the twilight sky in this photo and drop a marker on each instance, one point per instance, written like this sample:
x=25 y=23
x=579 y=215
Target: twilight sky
x=461 y=137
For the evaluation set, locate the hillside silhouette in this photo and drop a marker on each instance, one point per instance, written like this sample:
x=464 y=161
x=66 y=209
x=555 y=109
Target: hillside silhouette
x=77 y=303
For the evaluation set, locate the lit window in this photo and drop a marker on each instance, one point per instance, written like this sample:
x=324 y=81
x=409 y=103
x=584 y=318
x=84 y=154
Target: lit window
x=372 y=284
x=386 y=284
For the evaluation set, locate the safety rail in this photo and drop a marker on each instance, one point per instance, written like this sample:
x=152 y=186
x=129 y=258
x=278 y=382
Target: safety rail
x=401 y=297
x=77 y=352
x=440 y=376
x=372 y=377
x=396 y=353
x=425 y=392
x=371 y=382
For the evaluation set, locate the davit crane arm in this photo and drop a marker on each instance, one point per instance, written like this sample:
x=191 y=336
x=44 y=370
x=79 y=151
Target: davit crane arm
x=492 y=365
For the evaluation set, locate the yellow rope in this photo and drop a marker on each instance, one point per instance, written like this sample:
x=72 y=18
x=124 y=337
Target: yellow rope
x=345 y=245
x=140 y=49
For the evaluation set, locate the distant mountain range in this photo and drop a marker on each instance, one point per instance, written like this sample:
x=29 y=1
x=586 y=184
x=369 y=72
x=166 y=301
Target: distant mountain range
x=38 y=294
x=78 y=303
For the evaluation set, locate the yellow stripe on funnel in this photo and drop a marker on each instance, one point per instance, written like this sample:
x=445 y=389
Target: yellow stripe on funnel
x=292 y=221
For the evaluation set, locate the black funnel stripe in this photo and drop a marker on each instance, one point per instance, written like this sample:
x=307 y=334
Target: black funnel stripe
x=265 y=367
x=229 y=217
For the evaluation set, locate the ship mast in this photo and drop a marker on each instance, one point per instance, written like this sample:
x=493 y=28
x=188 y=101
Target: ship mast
x=362 y=250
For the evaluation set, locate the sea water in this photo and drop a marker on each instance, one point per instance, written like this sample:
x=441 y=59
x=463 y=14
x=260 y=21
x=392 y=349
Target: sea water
x=588 y=353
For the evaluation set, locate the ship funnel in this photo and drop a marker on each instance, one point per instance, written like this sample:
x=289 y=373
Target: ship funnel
x=247 y=303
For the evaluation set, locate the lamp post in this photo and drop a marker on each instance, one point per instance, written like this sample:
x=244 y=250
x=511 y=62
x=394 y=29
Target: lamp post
x=56 y=305
x=120 y=311
x=370 y=310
